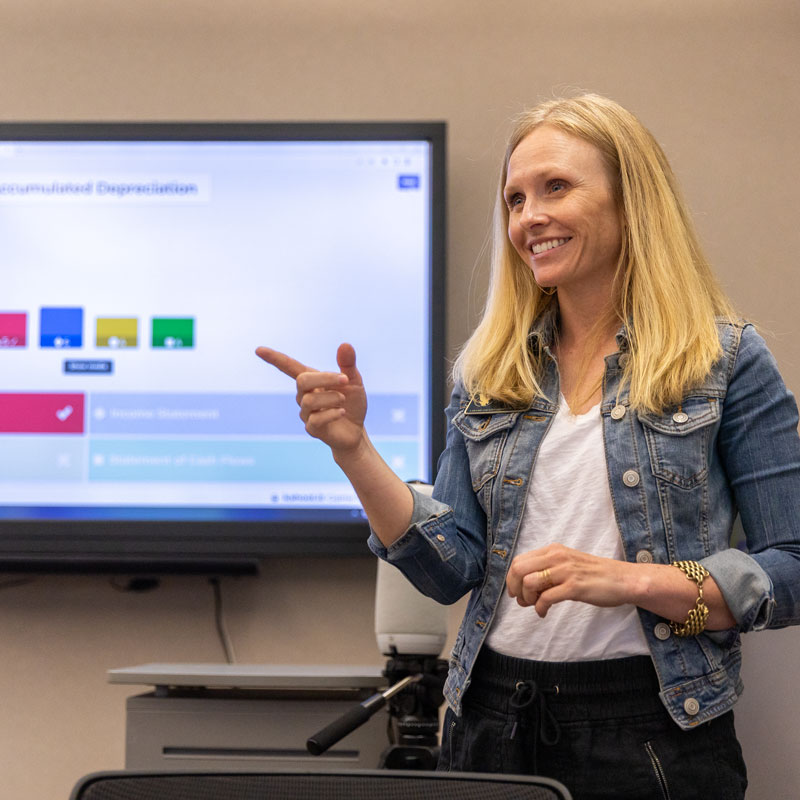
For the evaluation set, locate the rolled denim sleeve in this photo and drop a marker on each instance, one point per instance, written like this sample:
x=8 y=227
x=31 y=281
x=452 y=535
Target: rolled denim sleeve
x=443 y=551
x=760 y=450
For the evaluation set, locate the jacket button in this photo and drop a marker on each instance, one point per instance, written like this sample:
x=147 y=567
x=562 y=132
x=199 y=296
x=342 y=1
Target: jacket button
x=618 y=412
x=440 y=537
x=662 y=631
x=691 y=706
x=644 y=557
x=630 y=477
x=680 y=417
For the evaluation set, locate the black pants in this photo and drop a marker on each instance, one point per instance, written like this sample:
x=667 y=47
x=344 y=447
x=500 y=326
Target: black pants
x=598 y=727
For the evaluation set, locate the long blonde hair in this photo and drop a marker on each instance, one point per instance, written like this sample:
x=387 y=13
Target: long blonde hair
x=667 y=293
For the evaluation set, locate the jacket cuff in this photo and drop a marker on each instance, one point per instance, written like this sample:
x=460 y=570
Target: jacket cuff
x=746 y=587
x=425 y=508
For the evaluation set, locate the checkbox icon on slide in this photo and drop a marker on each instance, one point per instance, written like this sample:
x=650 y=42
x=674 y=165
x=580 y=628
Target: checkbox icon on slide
x=41 y=412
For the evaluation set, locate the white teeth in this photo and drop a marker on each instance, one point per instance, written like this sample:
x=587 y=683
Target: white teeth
x=543 y=246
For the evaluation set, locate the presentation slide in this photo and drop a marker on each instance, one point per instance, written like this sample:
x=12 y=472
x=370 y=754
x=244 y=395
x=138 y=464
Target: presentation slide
x=139 y=277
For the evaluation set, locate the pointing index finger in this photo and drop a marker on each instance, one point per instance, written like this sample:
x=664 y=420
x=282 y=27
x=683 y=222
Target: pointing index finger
x=286 y=364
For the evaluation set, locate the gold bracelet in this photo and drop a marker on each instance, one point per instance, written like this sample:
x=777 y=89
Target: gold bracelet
x=696 y=621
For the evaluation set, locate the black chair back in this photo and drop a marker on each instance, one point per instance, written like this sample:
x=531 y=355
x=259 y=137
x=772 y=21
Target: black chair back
x=329 y=785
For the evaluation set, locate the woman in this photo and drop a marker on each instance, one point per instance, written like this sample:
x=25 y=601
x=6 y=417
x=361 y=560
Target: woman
x=610 y=417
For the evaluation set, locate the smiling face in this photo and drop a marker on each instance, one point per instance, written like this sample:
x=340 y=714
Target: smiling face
x=563 y=219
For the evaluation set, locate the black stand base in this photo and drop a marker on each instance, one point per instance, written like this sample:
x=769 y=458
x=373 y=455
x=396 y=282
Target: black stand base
x=409 y=757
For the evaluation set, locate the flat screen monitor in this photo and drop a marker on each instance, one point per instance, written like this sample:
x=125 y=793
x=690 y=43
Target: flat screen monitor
x=142 y=264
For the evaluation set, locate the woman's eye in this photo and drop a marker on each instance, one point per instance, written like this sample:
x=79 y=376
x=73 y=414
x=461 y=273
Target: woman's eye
x=556 y=186
x=514 y=201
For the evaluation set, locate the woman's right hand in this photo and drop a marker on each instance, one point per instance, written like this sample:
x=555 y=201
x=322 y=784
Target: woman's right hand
x=333 y=405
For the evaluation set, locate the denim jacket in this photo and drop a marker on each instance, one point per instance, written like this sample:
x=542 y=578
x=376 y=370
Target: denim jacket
x=677 y=480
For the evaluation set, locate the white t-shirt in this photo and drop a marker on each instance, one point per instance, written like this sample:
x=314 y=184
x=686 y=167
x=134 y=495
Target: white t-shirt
x=569 y=501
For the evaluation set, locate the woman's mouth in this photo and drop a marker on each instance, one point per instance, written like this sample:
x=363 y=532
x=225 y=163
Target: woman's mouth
x=543 y=247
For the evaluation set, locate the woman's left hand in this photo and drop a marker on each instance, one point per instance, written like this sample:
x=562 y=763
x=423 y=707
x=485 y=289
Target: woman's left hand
x=541 y=578
x=555 y=573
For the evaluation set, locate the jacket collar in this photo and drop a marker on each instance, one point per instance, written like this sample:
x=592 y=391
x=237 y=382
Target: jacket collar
x=541 y=338
x=543 y=331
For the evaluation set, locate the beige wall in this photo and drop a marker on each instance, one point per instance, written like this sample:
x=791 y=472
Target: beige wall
x=717 y=80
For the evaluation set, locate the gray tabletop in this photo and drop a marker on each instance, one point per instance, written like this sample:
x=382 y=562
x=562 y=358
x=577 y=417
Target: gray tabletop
x=251 y=676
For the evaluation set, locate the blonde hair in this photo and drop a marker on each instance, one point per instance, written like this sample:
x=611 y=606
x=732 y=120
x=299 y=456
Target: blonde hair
x=666 y=291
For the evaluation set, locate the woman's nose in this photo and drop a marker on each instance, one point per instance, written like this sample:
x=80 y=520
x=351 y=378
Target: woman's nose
x=533 y=214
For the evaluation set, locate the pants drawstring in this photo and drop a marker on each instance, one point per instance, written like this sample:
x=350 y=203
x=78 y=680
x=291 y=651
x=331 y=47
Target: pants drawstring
x=528 y=697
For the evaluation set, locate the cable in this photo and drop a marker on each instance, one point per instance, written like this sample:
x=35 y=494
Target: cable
x=219 y=619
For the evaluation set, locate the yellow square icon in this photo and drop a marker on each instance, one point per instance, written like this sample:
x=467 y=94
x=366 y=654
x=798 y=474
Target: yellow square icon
x=117 y=332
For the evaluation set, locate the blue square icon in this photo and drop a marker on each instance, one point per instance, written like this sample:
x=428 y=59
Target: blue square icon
x=61 y=327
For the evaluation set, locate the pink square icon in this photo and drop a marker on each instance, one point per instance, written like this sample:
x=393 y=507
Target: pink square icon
x=13 y=328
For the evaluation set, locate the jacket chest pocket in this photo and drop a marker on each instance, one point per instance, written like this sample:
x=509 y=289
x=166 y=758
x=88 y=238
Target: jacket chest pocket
x=484 y=437
x=679 y=441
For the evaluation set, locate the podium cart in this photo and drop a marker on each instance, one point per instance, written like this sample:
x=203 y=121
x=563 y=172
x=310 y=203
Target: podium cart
x=239 y=716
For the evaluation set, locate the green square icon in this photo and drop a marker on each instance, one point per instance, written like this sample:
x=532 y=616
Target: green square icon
x=173 y=332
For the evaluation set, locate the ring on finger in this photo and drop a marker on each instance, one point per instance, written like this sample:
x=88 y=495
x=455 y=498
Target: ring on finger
x=547 y=578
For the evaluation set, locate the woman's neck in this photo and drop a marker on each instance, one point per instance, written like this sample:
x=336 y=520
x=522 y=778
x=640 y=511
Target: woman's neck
x=584 y=339
x=586 y=318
